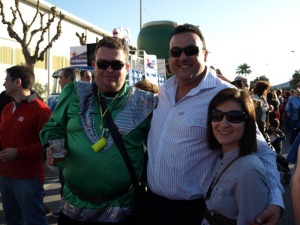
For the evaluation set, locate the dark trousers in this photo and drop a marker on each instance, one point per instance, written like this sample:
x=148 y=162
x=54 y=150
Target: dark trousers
x=165 y=211
x=64 y=220
x=61 y=181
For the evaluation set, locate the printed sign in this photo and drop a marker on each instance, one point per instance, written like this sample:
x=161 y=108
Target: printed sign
x=79 y=56
x=150 y=63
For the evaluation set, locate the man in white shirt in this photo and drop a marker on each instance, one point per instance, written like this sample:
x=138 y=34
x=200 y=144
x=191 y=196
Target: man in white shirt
x=179 y=158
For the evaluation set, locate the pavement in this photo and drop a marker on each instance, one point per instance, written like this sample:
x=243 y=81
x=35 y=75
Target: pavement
x=52 y=198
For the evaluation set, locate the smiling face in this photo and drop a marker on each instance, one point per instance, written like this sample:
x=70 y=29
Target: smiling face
x=187 y=68
x=109 y=80
x=228 y=134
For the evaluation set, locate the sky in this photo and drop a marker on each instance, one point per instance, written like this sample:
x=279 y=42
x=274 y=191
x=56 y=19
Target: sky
x=265 y=34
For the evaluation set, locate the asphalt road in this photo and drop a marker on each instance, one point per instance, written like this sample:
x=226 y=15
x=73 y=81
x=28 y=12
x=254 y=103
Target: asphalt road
x=52 y=198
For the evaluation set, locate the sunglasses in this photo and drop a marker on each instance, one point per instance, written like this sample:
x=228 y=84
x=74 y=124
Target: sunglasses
x=115 y=65
x=8 y=78
x=233 y=116
x=189 y=51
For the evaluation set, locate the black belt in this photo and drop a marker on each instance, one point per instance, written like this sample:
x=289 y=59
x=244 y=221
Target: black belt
x=98 y=199
x=194 y=201
x=218 y=219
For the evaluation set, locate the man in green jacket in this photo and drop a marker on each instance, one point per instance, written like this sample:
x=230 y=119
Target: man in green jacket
x=98 y=187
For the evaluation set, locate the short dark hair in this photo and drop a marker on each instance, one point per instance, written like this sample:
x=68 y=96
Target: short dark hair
x=238 y=83
x=113 y=43
x=248 y=142
x=269 y=95
x=82 y=73
x=189 y=28
x=71 y=72
x=24 y=73
x=274 y=123
x=218 y=71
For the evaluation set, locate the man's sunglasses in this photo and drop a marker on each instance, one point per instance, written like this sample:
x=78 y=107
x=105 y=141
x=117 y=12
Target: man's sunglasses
x=189 y=51
x=8 y=78
x=115 y=65
x=234 y=116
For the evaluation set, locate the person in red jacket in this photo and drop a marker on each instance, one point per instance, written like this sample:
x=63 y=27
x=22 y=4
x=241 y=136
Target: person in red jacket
x=21 y=165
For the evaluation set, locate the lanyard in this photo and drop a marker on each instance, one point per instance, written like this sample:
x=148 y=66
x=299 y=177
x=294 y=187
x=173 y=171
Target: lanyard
x=102 y=114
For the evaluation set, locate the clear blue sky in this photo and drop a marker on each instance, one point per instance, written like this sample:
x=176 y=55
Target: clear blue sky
x=261 y=33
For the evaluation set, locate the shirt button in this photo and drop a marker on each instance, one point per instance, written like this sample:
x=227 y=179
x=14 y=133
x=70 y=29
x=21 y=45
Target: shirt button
x=180 y=113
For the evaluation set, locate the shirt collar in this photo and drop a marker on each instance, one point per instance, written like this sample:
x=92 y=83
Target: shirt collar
x=29 y=98
x=231 y=154
x=208 y=81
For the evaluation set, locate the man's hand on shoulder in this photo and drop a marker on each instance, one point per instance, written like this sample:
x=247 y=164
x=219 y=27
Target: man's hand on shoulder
x=269 y=216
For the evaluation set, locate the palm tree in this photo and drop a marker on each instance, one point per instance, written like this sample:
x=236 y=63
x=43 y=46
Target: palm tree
x=243 y=69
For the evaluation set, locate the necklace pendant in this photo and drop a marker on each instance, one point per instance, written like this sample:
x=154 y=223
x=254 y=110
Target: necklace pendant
x=101 y=143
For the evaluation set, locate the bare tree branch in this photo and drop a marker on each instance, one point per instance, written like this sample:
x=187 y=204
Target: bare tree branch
x=36 y=30
x=54 y=38
x=10 y=25
x=36 y=13
x=43 y=29
x=82 y=38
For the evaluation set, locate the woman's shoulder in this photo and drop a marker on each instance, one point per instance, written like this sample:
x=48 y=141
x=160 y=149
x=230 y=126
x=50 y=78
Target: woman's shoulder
x=250 y=162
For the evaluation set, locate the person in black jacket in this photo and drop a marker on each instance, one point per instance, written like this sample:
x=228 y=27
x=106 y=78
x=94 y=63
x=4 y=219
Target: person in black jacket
x=5 y=99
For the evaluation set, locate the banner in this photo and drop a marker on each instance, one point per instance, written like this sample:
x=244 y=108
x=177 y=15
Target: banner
x=150 y=64
x=78 y=56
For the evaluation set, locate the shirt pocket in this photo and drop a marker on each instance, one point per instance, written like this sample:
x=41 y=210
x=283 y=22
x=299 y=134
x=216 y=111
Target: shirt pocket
x=196 y=121
x=217 y=196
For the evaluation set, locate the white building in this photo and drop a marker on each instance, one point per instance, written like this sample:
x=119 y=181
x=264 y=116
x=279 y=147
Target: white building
x=59 y=55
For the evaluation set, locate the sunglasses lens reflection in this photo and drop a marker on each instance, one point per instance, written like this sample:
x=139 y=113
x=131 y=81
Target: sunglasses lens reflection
x=234 y=116
x=189 y=51
x=115 y=65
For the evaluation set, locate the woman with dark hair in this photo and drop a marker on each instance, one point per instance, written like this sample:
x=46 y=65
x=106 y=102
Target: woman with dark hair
x=237 y=188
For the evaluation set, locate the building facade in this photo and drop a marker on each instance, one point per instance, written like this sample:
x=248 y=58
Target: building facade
x=56 y=57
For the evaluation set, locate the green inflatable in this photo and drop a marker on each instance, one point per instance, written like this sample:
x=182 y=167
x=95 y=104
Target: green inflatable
x=154 y=39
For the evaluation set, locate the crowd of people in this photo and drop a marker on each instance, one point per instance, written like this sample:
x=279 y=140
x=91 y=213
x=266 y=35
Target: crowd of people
x=209 y=145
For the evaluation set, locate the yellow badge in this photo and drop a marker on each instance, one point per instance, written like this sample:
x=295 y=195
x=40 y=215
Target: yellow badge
x=99 y=144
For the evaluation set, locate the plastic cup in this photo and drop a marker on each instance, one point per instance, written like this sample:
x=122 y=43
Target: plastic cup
x=57 y=147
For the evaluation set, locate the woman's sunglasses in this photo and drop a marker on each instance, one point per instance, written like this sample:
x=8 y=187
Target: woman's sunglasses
x=233 y=116
x=189 y=51
x=115 y=65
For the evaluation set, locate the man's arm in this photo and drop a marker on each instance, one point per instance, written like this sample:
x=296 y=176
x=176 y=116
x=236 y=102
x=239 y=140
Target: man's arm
x=56 y=127
x=272 y=212
x=296 y=190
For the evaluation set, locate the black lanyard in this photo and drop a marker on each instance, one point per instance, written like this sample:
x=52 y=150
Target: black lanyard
x=215 y=180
